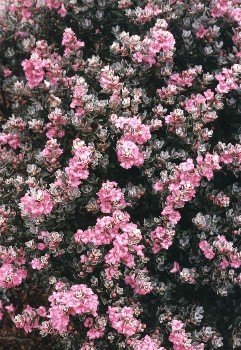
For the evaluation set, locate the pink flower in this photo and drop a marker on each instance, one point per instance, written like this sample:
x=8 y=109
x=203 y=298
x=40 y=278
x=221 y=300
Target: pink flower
x=77 y=300
x=28 y=320
x=126 y=247
x=133 y=129
x=78 y=165
x=180 y=339
x=109 y=81
x=41 y=311
x=88 y=323
x=34 y=70
x=129 y=154
x=104 y=231
x=51 y=153
x=172 y=215
x=41 y=263
x=200 y=33
x=11 y=139
x=208 y=164
x=209 y=94
x=111 y=197
x=206 y=249
x=224 y=264
x=72 y=45
x=177 y=325
x=62 y=11
x=158 y=186
x=175 y=268
x=162 y=238
x=123 y=320
x=11 y=276
x=79 y=91
x=140 y=282
x=6 y=72
x=10 y=308
x=53 y=4
x=36 y=203
x=147 y=343
x=95 y=333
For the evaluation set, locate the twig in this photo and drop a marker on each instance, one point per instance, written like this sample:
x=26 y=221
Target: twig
x=13 y=338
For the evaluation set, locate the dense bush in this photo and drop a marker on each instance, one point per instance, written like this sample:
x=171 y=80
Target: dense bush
x=119 y=172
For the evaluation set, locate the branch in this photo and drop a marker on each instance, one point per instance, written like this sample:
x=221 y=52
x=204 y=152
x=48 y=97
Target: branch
x=13 y=338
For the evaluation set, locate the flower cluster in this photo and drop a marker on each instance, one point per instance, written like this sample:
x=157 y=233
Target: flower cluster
x=110 y=197
x=123 y=320
x=70 y=42
x=11 y=276
x=36 y=203
x=179 y=338
x=77 y=300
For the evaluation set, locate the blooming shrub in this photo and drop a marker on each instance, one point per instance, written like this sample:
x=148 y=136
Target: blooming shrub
x=120 y=160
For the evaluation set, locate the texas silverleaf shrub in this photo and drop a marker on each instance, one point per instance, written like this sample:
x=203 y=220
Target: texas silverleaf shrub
x=120 y=161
